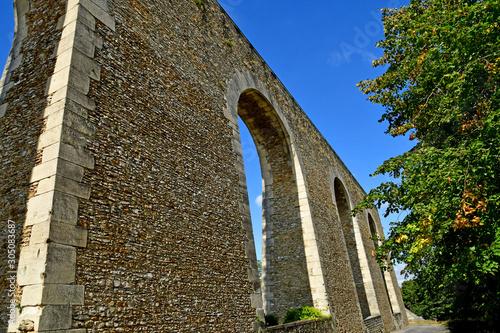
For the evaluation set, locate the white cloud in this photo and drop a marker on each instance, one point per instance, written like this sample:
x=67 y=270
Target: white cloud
x=258 y=201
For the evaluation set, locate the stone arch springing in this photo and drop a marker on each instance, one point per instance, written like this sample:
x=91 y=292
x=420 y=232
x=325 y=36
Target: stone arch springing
x=387 y=278
x=356 y=251
x=248 y=98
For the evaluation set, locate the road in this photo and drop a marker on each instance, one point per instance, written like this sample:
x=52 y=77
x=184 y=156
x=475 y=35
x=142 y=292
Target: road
x=424 y=329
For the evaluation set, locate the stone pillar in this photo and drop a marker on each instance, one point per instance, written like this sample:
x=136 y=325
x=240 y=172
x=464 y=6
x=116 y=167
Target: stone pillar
x=46 y=271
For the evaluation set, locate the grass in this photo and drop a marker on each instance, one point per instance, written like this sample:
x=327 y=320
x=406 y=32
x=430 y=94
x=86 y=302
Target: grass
x=424 y=322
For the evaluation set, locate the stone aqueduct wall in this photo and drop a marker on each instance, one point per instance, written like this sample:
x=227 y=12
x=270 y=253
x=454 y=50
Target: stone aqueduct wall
x=306 y=326
x=123 y=174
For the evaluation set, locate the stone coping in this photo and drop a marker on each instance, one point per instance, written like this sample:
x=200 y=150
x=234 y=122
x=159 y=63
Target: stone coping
x=296 y=324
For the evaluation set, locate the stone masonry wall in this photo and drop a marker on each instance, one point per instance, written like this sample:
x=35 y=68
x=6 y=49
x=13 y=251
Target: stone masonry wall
x=176 y=69
x=318 y=158
x=167 y=250
x=165 y=235
x=374 y=324
x=306 y=326
x=23 y=101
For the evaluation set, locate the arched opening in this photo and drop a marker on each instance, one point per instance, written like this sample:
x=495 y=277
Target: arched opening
x=374 y=234
x=254 y=184
x=285 y=280
x=343 y=209
x=388 y=285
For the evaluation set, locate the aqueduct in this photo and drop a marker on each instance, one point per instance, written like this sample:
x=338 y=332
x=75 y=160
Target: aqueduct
x=124 y=179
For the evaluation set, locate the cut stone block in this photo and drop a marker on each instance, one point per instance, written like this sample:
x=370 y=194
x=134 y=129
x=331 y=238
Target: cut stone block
x=57 y=167
x=58 y=232
x=3 y=109
x=32 y=260
x=53 y=205
x=55 y=317
x=46 y=263
x=64 y=185
x=68 y=153
x=71 y=120
x=98 y=9
x=69 y=93
x=52 y=294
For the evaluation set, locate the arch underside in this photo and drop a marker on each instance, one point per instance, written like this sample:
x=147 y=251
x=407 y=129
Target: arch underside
x=348 y=230
x=285 y=281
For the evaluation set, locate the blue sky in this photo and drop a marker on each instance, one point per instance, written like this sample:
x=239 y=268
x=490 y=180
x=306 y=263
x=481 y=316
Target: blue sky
x=319 y=50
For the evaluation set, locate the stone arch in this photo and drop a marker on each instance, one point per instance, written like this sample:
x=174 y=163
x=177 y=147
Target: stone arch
x=285 y=280
x=387 y=277
x=21 y=8
x=356 y=251
x=292 y=274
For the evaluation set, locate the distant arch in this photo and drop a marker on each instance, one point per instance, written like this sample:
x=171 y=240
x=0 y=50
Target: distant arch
x=387 y=278
x=356 y=251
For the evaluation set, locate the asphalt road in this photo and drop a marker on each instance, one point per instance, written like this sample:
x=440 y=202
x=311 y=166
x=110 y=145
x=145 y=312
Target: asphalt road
x=424 y=329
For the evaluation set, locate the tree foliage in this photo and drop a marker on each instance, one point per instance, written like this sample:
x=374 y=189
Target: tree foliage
x=441 y=87
x=417 y=299
x=411 y=296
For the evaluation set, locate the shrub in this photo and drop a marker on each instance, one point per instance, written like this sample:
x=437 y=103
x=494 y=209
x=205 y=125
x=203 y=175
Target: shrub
x=271 y=320
x=302 y=313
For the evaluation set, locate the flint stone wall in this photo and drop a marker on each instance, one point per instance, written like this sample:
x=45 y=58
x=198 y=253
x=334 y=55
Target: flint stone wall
x=374 y=324
x=306 y=326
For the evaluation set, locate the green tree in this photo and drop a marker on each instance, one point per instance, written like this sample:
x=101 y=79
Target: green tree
x=442 y=60
x=411 y=296
x=438 y=305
